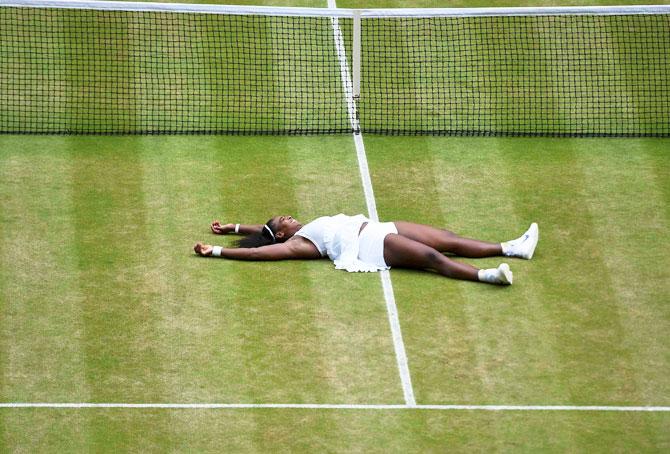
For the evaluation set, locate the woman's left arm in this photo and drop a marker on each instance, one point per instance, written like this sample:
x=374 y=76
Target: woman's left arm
x=242 y=229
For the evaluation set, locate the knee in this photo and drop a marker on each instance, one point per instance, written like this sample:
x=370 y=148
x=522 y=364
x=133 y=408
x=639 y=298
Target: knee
x=433 y=257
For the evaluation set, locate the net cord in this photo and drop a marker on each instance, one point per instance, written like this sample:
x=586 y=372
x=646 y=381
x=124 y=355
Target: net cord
x=326 y=12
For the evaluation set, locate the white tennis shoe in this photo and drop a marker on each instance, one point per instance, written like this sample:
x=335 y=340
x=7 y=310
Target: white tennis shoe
x=524 y=246
x=505 y=274
x=501 y=275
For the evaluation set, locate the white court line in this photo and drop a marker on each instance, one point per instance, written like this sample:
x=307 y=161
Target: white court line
x=598 y=408
x=341 y=12
x=391 y=309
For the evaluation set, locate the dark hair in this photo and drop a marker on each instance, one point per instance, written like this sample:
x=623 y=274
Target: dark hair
x=262 y=238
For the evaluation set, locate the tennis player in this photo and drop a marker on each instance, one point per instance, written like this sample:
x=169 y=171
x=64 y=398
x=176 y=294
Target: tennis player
x=356 y=243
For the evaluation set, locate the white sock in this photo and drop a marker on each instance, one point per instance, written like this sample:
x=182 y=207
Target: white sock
x=501 y=275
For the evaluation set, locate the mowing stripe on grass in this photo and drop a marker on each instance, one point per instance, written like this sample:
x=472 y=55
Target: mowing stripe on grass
x=39 y=292
x=357 y=356
x=635 y=258
x=598 y=408
x=401 y=356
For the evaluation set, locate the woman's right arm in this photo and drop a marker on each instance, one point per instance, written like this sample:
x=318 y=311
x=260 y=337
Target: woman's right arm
x=242 y=229
x=295 y=248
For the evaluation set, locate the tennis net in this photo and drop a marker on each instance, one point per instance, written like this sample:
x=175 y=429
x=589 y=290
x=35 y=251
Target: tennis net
x=142 y=68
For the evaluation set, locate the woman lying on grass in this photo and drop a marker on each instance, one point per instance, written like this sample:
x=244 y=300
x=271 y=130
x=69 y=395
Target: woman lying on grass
x=355 y=243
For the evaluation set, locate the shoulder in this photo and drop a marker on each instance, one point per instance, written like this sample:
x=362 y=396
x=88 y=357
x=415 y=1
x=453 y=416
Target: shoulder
x=328 y=221
x=318 y=221
x=314 y=229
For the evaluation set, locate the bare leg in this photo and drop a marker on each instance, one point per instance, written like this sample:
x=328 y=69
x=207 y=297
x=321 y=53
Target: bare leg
x=403 y=252
x=446 y=241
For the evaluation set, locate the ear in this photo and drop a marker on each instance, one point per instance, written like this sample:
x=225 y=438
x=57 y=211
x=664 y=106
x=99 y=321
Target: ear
x=279 y=235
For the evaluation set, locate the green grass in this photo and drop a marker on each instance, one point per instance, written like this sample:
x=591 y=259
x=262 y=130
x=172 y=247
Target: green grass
x=103 y=301
x=587 y=319
x=335 y=431
x=132 y=315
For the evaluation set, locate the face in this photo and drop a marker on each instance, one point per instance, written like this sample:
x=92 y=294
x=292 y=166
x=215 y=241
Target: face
x=285 y=227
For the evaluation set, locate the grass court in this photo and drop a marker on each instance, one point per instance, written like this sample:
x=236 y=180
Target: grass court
x=103 y=301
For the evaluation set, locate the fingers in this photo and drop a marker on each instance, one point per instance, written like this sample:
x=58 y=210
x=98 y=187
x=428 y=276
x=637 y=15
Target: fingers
x=222 y=229
x=217 y=228
x=202 y=249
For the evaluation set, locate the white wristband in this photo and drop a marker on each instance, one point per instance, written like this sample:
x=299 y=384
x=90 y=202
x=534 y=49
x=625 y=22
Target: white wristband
x=237 y=228
x=216 y=251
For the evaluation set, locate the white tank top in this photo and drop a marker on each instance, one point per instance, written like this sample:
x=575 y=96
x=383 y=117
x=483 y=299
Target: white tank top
x=331 y=233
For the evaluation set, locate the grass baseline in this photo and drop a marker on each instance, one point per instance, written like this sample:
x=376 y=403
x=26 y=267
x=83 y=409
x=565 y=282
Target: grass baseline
x=342 y=406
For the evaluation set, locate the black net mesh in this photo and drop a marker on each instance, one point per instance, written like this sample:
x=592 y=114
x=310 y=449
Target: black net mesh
x=119 y=72
x=526 y=75
x=97 y=72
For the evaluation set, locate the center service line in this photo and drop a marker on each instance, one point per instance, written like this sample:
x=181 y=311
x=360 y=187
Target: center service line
x=391 y=309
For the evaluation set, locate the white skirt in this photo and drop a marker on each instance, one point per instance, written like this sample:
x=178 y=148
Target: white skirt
x=366 y=252
x=371 y=243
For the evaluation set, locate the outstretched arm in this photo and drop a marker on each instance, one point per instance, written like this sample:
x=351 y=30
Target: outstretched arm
x=242 y=229
x=295 y=248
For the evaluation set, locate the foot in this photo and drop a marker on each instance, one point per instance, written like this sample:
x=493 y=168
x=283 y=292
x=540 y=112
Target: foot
x=524 y=246
x=505 y=274
x=501 y=275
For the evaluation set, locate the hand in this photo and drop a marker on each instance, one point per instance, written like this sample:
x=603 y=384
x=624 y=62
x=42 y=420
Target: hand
x=222 y=229
x=204 y=250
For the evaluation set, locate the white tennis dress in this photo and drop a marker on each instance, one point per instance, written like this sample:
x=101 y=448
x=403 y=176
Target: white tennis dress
x=338 y=237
